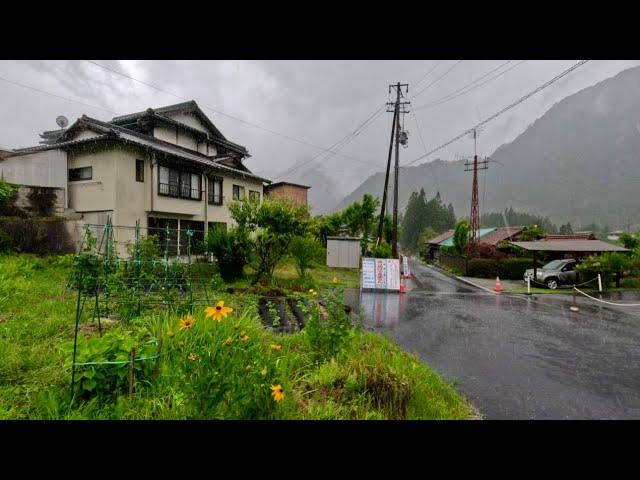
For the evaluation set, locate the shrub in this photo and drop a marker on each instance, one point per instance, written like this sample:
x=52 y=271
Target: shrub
x=230 y=248
x=106 y=380
x=328 y=329
x=461 y=236
x=508 y=268
x=39 y=235
x=484 y=251
x=41 y=200
x=610 y=266
x=383 y=250
x=8 y=194
x=305 y=250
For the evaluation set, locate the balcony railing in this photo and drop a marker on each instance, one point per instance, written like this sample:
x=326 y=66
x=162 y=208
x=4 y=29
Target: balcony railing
x=179 y=191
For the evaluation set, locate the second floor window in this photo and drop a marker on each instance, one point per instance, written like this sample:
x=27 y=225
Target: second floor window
x=84 y=173
x=179 y=183
x=215 y=191
x=254 y=196
x=238 y=192
x=139 y=170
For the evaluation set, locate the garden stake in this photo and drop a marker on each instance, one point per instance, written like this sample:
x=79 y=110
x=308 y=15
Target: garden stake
x=132 y=377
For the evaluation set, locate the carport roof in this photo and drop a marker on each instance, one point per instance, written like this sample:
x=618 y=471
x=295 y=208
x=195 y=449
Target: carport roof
x=570 y=246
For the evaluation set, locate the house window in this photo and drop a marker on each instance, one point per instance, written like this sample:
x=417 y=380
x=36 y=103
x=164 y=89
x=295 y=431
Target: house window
x=254 y=196
x=215 y=191
x=179 y=183
x=84 y=173
x=139 y=170
x=238 y=192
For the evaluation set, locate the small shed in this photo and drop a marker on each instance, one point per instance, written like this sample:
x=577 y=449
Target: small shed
x=343 y=252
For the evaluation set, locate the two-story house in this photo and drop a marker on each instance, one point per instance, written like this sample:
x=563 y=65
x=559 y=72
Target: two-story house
x=165 y=166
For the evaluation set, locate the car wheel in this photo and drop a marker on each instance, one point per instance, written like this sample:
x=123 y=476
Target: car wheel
x=552 y=283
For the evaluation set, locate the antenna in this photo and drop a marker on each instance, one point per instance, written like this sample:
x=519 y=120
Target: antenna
x=62 y=121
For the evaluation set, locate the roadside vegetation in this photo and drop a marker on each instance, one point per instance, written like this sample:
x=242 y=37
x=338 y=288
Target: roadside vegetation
x=221 y=360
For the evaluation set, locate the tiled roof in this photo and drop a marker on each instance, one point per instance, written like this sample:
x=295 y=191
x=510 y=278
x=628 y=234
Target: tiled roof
x=440 y=238
x=115 y=132
x=500 y=234
x=482 y=232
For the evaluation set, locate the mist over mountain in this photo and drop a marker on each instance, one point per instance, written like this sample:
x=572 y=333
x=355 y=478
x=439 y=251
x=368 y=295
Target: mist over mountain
x=579 y=162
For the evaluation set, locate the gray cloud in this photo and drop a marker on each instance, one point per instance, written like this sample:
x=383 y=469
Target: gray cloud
x=315 y=101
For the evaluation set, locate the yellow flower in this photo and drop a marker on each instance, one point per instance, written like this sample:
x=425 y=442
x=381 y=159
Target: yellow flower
x=264 y=371
x=228 y=341
x=335 y=279
x=187 y=322
x=244 y=338
x=218 y=312
x=312 y=292
x=192 y=357
x=278 y=392
x=276 y=346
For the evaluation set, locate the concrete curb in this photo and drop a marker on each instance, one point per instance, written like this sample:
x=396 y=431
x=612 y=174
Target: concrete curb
x=451 y=275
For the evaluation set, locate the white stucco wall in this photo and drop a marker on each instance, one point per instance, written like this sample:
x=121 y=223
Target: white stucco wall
x=40 y=169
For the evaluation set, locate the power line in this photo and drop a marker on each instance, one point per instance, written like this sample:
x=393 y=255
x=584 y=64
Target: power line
x=339 y=144
x=469 y=87
x=438 y=79
x=233 y=117
x=55 y=95
x=497 y=114
x=427 y=74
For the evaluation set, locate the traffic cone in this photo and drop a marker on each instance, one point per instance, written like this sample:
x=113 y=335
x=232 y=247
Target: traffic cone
x=403 y=288
x=498 y=288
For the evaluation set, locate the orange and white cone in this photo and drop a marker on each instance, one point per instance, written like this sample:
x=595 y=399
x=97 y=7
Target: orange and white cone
x=498 y=288
x=403 y=288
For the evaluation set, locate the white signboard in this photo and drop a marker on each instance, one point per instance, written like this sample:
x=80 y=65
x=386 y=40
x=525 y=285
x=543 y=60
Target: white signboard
x=368 y=273
x=393 y=274
x=405 y=266
x=380 y=274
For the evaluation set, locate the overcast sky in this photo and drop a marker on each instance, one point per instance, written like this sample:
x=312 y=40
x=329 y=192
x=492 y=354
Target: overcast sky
x=318 y=102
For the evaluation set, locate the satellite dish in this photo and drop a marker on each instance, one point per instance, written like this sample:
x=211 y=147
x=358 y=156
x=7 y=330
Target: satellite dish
x=62 y=121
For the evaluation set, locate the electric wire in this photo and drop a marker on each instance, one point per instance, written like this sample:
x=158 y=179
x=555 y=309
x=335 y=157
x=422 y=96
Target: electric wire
x=469 y=87
x=219 y=112
x=500 y=112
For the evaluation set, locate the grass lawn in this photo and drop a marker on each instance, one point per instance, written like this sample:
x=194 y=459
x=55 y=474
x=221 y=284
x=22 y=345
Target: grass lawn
x=371 y=378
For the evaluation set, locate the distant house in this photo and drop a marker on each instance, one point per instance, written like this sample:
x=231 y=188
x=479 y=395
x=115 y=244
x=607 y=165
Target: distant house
x=291 y=191
x=571 y=236
x=487 y=236
x=615 y=235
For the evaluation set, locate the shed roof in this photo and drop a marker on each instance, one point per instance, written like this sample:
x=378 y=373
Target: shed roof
x=278 y=184
x=570 y=246
x=344 y=238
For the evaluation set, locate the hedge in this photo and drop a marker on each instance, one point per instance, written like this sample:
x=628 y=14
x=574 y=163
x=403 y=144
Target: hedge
x=40 y=235
x=508 y=268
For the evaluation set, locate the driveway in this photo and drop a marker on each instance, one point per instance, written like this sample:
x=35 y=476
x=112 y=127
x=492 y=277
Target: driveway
x=517 y=357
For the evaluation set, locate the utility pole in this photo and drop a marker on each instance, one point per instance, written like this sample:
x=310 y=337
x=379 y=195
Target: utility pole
x=475 y=210
x=401 y=137
x=383 y=206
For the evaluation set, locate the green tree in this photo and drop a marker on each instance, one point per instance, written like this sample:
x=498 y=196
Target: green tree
x=630 y=241
x=305 y=250
x=461 y=236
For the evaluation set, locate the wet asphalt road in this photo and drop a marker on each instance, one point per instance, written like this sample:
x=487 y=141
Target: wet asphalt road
x=517 y=357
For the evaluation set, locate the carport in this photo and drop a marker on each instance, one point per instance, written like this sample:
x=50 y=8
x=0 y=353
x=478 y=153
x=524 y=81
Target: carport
x=583 y=247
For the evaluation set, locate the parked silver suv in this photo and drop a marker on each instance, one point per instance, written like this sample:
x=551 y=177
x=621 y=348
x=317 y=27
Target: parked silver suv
x=554 y=273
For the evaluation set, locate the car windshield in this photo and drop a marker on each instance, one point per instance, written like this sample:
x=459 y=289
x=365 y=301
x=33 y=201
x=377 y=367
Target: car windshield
x=554 y=265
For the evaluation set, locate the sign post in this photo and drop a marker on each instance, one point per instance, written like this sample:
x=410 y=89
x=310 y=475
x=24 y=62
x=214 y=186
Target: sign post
x=380 y=274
